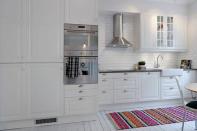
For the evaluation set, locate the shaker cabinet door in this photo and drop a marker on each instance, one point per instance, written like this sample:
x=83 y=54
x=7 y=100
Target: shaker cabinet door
x=12 y=92
x=11 y=30
x=45 y=82
x=46 y=31
x=81 y=11
x=150 y=87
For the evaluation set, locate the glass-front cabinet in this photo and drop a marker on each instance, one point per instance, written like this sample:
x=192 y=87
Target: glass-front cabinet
x=165 y=32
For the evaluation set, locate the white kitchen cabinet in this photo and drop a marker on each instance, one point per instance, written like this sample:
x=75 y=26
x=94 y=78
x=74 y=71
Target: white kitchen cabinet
x=188 y=77
x=80 y=11
x=12 y=30
x=163 y=32
x=149 y=86
x=12 y=92
x=169 y=88
x=45 y=83
x=125 y=90
x=106 y=90
x=80 y=99
x=81 y=105
x=45 y=31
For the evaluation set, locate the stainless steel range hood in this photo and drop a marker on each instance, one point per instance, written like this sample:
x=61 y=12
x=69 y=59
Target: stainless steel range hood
x=118 y=40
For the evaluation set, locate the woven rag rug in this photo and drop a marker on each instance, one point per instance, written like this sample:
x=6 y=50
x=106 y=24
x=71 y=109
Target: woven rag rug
x=149 y=117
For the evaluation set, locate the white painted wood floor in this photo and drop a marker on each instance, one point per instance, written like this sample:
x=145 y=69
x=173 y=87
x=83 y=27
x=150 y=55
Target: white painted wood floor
x=103 y=124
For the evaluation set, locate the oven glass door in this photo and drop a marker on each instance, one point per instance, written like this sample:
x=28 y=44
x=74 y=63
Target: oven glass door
x=81 y=70
x=80 y=41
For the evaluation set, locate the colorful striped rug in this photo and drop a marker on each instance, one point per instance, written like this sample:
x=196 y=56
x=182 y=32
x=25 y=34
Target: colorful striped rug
x=149 y=117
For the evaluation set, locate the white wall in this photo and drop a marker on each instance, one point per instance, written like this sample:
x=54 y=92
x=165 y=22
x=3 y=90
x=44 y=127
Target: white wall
x=192 y=36
x=117 y=58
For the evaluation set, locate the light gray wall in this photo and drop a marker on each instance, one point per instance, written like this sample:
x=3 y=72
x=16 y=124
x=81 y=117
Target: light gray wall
x=126 y=58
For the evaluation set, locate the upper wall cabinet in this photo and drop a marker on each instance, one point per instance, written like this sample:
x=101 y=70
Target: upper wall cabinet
x=31 y=31
x=80 y=11
x=11 y=30
x=46 y=31
x=164 y=33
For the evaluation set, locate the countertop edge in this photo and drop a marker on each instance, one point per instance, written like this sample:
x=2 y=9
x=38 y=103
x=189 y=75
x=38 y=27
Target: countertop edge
x=122 y=71
x=148 y=70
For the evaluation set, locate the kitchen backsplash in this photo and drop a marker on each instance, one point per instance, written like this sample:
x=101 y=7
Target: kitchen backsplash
x=126 y=58
x=192 y=39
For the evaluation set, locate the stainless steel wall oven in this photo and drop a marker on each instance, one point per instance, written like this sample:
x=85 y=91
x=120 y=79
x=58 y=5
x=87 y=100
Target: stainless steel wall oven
x=80 y=54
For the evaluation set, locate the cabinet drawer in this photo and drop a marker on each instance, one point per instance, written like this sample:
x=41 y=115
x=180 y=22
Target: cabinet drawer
x=118 y=75
x=167 y=80
x=80 y=105
x=170 y=94
x=80 y=92
x=169 y=87
x=85 y=86
x=125 y=82
x=125 y=95
x=105 y=96
x=106 y=83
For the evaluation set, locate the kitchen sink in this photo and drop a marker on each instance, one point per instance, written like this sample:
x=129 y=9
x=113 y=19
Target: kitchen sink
x=170 y=72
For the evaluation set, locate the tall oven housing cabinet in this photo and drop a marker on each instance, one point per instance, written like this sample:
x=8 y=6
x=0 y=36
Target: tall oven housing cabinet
x=80 y=69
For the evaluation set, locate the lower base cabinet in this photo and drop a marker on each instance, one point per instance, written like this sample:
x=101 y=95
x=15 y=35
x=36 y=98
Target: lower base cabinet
x=13 y=97
x=30 y=91
x=80 y=105
x=127 y=87
x=45 y=82
x=169 y=88
x=80 y=99
x=149 y=86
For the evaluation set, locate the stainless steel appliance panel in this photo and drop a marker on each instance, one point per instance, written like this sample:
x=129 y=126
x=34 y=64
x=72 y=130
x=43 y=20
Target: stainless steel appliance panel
x=81 y=54
x=81 y=70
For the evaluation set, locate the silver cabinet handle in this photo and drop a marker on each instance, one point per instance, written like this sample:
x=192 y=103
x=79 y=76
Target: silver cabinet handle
x=171 y=77
x=80 y=91
x=104 y=80
x=80 y=86
x=125 y=73
x=103 y=92
x=125 y=79
x=104 y=74
x=80 y=99
x=171 y=88
x=149 y=73
x=125 y=91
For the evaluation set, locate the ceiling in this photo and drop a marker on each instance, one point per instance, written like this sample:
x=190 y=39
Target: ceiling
x=182 y=2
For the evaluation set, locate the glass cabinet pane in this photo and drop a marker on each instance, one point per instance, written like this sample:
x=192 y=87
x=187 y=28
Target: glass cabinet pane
x=165 y=31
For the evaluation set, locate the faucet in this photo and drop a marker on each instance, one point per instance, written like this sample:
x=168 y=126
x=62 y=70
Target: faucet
x=157 y=64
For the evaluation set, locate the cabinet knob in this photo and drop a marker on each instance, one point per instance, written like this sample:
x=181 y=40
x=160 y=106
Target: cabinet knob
x=125 y=79
x=125 y=73
x=80 y=86
x=148 y=73
x=80 y=91
x=80 y=99
x=171 y=88
x=103 y=92
x=125 y=91
x=104 y=80
x=104 y=74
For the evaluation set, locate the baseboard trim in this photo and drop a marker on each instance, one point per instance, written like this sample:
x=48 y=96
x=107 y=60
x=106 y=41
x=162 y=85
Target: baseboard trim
x=60 y=120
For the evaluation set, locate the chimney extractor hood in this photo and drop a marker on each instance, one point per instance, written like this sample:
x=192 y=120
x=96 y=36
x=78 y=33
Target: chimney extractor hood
x=118 y=40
